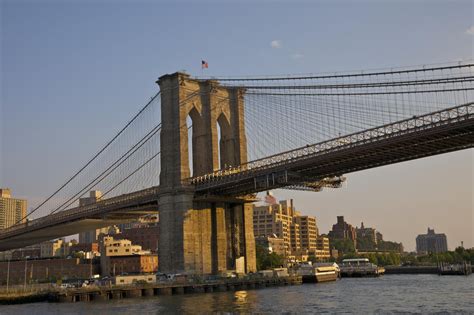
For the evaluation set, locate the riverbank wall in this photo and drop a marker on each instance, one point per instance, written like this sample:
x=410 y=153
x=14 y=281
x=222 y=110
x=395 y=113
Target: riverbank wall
x=95 y=293
x=400 y=270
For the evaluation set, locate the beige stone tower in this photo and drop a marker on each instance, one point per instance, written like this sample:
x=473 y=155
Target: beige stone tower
x=198 y=235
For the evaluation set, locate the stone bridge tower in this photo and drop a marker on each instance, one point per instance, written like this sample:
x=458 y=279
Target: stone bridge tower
x=211 y=234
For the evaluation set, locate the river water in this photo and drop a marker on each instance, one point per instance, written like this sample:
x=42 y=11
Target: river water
x=388 y=294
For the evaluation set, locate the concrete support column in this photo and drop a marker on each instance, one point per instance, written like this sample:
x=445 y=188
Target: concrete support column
x=250 y=258
x=219 y=239
x=171 y=250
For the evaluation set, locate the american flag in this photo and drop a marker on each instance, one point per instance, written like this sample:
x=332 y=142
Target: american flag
x=270 y=199
x=204 y=64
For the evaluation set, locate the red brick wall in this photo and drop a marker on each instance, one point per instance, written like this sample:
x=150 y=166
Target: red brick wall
x=42 y=270
x=133 y=264
x=146 y=237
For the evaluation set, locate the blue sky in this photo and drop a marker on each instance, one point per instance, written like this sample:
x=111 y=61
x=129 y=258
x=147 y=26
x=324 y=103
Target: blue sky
x=73 y=72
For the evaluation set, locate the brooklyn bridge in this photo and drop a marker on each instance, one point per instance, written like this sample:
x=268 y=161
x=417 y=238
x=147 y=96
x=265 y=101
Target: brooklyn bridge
x=201 y=149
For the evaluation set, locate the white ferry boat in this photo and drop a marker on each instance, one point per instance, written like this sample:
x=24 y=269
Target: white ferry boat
x=319 y=272
x=359 y=267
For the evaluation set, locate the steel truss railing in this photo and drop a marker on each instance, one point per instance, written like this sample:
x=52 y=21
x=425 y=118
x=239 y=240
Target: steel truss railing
x=406 y=126
x=78 y=212
x=260 y=166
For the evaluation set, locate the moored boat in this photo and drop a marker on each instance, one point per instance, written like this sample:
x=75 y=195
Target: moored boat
x=360 y=267
x=326 y=273
x=319 y=272
x=459 y=269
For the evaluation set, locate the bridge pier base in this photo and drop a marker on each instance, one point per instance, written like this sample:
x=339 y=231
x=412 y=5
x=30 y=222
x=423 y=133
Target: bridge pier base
x=205 y=237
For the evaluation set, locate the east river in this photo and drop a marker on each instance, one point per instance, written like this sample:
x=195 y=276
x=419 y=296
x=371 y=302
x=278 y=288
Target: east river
x=387 y=294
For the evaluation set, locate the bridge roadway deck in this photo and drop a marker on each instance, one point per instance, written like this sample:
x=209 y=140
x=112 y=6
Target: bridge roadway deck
x=435 y=133
x=107 y=212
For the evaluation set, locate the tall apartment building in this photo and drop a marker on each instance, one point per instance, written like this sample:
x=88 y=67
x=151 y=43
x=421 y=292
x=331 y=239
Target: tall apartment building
x=367 y=232
x=273 y=244
x=299 y=233
x=308 y=231
x=431 y=242
x=90 y=237
x=12 y=210
x=343 y=230
x=323 y=251
x=276 y=220
x=55 y=248
x=379 y=236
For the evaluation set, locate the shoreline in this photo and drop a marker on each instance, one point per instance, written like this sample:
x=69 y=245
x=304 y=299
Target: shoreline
x=89 y=294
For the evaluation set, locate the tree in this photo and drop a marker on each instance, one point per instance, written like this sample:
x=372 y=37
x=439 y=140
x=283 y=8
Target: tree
x=343 y=245
x=312 y=259
x=390 y=246
x=266 y=260
x=365 y=243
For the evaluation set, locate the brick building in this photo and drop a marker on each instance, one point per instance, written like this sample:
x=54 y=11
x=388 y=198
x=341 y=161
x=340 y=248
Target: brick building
x=272 y=243
x=134 y=264
x=322 y=248
x=431 y=242
x=12 y=210
x=46 y=270
x=145 y=235
x=367 y=233
x=343 y=231
x=84 y=247
x=299 y=233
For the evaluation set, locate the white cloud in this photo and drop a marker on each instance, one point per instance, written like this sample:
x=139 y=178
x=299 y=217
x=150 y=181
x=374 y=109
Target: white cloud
x=275 y=43
x=297 y=56
x=470 y=31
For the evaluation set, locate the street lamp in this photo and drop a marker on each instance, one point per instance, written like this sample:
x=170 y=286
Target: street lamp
x=24 y=285
x=8 y=274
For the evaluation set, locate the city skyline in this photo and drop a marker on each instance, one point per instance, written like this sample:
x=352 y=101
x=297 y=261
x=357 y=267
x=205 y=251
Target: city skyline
x=87 y=77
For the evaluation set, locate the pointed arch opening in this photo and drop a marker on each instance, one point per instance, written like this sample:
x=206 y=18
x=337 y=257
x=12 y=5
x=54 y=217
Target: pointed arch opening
x=194 y=126
x=225 y=145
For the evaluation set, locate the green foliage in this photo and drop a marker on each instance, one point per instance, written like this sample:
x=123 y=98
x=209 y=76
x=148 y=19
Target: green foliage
x=312 y=259
x=390 y=246
x=267 y=260
x=458 y=255
x=345 y=246
x=78 y=255
x=366 y=244
x=380 y=259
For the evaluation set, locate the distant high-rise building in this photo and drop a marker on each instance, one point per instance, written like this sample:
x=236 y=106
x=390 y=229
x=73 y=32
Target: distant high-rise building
x=322 y=248
x=366 y=233
x=431 y=242
x=90 y=237
x=272 y=243
x=12 y=210
x=276 y=219
x=308 y=232
x=343 y=230
x=55 y=248
x=379 y=237
x=299 y=233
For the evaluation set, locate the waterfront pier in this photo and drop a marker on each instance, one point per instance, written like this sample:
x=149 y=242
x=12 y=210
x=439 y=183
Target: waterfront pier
x=95 y=293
